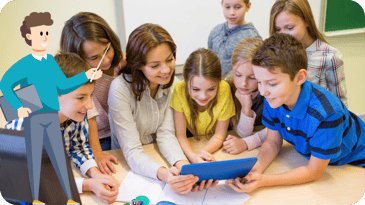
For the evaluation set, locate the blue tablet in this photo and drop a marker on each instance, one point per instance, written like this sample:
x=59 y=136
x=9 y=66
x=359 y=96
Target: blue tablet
x=221 y=170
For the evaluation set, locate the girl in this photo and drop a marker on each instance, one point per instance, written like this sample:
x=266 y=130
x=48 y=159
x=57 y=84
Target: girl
x=202 y=103
x=88 y=35
x=325 y=66
x=248 y=101
x=139 y=107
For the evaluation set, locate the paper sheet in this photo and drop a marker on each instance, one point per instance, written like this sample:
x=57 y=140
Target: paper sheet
x=136 y=185
x=155 y=190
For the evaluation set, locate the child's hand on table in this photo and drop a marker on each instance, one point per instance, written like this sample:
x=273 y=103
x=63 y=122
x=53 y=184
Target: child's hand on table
x=180 y=184
x=234 y=145
x=202 y=156
x=251 y=182
x=104 y=186
x=104 y=163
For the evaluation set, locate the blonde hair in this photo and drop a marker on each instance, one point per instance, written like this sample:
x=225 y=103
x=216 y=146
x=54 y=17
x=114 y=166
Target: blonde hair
x=243 y=52
x=299 y=8
x=204 y=63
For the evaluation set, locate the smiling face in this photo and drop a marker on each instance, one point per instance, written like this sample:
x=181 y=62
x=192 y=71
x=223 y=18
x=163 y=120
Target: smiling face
x=39 y=35
x=160 y=65
x=234 y=12
x=244 y=78
x=94 y=52
x=277 y=87
x=291 y=24
x=202 y=90
x=74 y=105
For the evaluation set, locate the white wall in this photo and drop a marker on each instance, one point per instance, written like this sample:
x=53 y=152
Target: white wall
x=189 y=22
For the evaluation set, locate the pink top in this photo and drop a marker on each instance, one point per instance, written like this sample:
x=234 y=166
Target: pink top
x=244 y=129
x=100 y=105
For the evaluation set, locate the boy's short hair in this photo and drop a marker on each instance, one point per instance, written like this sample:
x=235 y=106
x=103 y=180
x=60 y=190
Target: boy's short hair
x=244 y=1
x=281 y=51
x=71 y=64
x=34 y=19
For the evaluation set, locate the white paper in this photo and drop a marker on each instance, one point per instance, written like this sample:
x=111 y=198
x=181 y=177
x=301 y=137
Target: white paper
x=193 y=198
x=155 y=190
x=222 y=193
x=136 y=185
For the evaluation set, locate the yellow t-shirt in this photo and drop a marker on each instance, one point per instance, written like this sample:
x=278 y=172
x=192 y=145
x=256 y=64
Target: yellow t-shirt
x=223 y=110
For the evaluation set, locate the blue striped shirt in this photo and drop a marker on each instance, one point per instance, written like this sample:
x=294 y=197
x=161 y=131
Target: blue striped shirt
x=320 y=126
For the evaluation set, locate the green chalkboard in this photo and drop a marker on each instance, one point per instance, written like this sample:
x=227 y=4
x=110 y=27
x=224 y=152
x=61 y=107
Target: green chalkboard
x=343 y=15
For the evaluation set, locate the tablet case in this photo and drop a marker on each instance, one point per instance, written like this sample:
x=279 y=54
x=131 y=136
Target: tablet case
x=28 y=96
x=221 y=170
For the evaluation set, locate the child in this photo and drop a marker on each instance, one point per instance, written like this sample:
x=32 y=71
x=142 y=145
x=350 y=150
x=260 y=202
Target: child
x=325 y=66
x=248 y=101
x=88 y=35
x=74 y=128
x=224 y=37
x=139 y=108
x=202 y=103
x=308 y=116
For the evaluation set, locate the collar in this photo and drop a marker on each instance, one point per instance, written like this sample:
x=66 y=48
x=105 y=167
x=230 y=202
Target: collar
x=40 y=57
x=160 y=92
x=313 y=47
x=229 y=30
x=300 y=108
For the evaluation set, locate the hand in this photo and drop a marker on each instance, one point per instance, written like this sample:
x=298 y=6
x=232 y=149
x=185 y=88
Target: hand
x=180 y=184
x=245 y=100
x=202 y=156
x=205 y=185
x=24 y=112
x=104 y=163
x=247 y=184
x=104 y=186
x=234 y=145
x=181 y=163
x=91 y=71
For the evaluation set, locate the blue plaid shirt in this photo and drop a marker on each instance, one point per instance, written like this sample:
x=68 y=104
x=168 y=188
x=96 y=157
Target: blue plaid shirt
x=222 y=40
x=75 y=136
x=320 y=125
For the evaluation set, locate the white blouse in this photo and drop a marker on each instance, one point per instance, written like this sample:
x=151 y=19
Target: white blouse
x=134 y=122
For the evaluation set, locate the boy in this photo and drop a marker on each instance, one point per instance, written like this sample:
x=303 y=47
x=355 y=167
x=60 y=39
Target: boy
x=74 y=128
x=309 y=117
x=41 y=70
x=224 y=37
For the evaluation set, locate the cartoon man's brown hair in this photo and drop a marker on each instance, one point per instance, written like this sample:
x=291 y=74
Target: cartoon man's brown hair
x=34 y=19
x=281 y=51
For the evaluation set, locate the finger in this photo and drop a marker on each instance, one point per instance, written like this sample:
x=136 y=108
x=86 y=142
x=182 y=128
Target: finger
x=111 y=167
x=208 y=184
x=234 y=187
x=114 y=159
x=229 y=137
x=106 y=168
x=215 y=183
x=195 y=188
x=101 y=168
x=174 y=171
x=181 y=178
x=202 y=184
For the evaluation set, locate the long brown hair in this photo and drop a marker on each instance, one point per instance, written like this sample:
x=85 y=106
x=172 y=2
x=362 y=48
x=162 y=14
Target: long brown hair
x=142 y=40
x=204 y=63
x=243 y=52
x=299 y=8
x=87 y=26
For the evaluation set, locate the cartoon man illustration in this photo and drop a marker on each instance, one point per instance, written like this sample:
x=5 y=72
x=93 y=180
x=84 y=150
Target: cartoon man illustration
x=42 y=127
